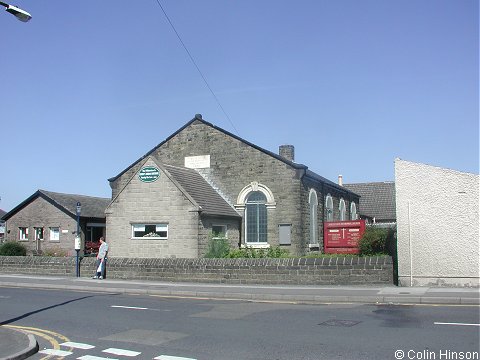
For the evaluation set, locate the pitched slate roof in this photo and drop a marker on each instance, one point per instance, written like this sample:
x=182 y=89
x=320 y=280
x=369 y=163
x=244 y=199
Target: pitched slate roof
x=92 y=207
x=377 y=199
x=198 y=119
x=201 y=191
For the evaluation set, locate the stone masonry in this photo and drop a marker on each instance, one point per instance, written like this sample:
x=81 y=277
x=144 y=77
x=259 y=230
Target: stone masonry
x=293 y=271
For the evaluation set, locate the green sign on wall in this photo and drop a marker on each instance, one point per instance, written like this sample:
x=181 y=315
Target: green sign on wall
x=148 y=174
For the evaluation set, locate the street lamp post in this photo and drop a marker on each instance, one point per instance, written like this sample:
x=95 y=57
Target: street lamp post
x=20 y=14
x=78 y=239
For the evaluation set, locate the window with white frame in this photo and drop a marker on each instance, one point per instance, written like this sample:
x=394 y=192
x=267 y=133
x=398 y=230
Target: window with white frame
x=256 y=218
x=329 y=207
x=313 y=204
x=150 y=231
x=38 y=232
x=54 y=234
x=342 y=209
x=23 y=233
x=219 y=231
x=353 y=211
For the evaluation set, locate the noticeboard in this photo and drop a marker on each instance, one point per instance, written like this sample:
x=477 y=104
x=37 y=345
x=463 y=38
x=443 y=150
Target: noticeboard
x=342 y=237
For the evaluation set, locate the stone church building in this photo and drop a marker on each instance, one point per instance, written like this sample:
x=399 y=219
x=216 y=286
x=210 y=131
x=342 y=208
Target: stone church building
x=203 y=182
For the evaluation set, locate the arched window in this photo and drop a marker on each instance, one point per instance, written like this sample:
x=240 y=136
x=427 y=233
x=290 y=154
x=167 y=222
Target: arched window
x=353 y=211
x=342 y=210
x=329 y=207
x=313 y=202
x=256 y=218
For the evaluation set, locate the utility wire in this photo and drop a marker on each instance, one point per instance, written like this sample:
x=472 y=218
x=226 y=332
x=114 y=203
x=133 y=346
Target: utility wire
x=196 y=66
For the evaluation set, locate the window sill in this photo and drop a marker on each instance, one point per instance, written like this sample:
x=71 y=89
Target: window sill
x=315 y=246
x=256 y=245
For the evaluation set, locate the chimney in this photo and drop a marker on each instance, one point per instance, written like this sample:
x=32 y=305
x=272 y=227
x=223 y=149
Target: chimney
x=287 y=152
x=340 y=180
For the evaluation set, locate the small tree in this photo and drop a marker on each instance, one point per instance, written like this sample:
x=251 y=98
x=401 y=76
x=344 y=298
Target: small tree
x=12 y=248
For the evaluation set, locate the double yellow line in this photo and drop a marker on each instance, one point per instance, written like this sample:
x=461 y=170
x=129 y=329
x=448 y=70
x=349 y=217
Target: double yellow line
x=48 y=335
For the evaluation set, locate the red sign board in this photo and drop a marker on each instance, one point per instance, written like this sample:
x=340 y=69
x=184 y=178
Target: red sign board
x=342 y=237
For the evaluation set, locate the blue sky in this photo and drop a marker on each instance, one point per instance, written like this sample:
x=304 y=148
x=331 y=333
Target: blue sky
x=88 y=87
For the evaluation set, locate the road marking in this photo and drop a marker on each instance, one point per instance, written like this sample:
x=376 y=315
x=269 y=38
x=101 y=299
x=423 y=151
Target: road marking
x=46 y=334
x=129 y=307
x=167 y=357
x=121 y=352
x=90 y=357
x=77 y=345
x=455 y=324
x=55 y=352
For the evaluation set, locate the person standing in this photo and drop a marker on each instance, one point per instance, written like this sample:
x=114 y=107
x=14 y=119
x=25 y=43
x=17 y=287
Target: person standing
x=101 y=263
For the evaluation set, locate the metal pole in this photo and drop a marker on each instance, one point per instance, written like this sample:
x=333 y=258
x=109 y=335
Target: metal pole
x=77 y=246
x=410 y=244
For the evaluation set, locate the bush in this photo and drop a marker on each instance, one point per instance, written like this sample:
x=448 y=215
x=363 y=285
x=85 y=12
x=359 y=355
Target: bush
x=377 y=241
x=13 y=248
x=218 y=248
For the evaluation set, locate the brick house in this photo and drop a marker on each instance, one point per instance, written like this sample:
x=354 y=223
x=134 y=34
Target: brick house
x=202 y=182
x=47 y=221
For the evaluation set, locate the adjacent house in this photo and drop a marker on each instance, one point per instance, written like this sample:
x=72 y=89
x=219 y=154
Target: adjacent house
x=47 y=221
x=377 y=202
x=204 y=182
x=437 y=225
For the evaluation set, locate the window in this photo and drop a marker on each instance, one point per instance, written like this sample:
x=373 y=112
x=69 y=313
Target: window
x=38 y=231
x=23 y=233
x=342 y=210
x=256 y=218
x=54 y=234
x=329 y=207
x=353 y=211
x=150 y=231
x=219 y=231
x=313 y=202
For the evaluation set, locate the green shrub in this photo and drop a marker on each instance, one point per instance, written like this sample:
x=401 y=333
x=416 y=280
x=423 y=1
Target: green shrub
x=377 y=241
x=13 y=248
x=217 y=248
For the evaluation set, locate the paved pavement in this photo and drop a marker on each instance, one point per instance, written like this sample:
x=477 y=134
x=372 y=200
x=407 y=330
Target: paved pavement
x=17 y=345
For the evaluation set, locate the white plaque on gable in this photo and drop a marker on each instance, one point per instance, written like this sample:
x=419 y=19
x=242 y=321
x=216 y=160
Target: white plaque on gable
x=197 y=162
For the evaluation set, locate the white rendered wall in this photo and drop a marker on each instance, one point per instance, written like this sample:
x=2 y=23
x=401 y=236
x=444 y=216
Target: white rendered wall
x=437 y=225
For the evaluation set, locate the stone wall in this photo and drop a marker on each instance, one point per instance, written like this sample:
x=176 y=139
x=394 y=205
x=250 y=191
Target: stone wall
x=158 y=202
x=295 y=271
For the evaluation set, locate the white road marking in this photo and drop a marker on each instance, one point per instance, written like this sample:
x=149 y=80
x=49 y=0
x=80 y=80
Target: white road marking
x=129 y=307
x=167 y=357
x=90 y=357
x=55 y=352
x=77 y=345
x=121 y=352
x=456 y=324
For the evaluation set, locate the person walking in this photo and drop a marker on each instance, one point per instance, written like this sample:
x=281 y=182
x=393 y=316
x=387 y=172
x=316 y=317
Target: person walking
x=101 y=263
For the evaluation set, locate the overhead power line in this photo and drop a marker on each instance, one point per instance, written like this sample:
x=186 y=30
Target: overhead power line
x=196 y=66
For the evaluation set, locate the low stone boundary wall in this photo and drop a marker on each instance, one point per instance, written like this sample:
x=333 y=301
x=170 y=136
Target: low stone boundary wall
x=295 y=271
